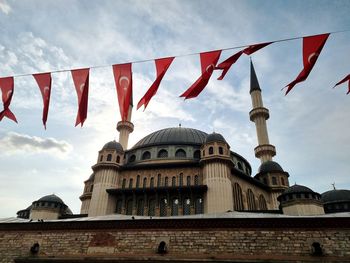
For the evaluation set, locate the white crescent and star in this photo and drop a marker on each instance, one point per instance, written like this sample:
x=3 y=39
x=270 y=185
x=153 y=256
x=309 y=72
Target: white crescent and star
x=81 y=87
x=9 y=94
x=46 y=90
x=126 y=79
x=315 y=54
x=210 y=68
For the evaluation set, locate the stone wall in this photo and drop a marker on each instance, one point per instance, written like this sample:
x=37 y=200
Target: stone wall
x=212 y=240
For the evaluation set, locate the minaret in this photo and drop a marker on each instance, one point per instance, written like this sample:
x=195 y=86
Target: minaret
x=125 y=128
x=264 y=151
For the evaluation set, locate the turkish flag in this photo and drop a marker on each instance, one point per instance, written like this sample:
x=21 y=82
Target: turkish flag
x=162 y=66
x=347 y=78
x=226 y=65
x=312 y=47
x=44 y=83
x=123 y=82
x=81 y=83
x=208 y=63
x=6 y=86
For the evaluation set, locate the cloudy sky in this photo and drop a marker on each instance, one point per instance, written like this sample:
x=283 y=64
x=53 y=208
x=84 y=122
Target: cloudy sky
x=310 y=127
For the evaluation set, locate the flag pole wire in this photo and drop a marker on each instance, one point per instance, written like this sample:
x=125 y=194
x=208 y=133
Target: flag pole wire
x=181 y=55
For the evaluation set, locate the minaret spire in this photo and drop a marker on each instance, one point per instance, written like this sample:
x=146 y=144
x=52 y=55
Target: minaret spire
x=259 y=114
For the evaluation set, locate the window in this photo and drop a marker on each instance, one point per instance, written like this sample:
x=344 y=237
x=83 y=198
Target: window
x=130 y=183
x=101 y=158
x=221 y=150
x=163 y=207
x=118 y=209
x=118 y=159
x=188 y=181
x=306 y=195
x=166 y=181
x=240 y=166
x=129 y=204
x=274 y=180
x=138 y=181
x=198 y=208
x=109 y=157
x=197 y=154
x=251 y=200
x=152 y=182
x=175 y=207
x=203 y=153
x=132 y=158
x=181 y=179
x=187 y=206
x=124 y=183
x=211 y=150
x=196 y=180
x=144 y=182
x=162 y=154
x=262 y=203
x=152 y=207
x=180 y=153
x=173 y=181
x=265 y=181
x=237 y=198
x=146 y=155
x=140 y=206
x=91 y=188
x=159 y=180
x=282 y=180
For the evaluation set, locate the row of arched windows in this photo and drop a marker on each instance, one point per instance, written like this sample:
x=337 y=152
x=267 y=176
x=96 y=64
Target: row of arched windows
x=175 y=181
x=180 y=153
x=109 y=158
x=165 y=209
x=251 y=203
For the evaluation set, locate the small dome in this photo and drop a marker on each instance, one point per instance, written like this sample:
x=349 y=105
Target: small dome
x=215 y=137
x=296 y=189
x=336 y=196
x=270 y=166
x=113 y=145
x=51 y=198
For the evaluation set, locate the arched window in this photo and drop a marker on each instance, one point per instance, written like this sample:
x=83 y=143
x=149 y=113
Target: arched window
x=181 y=179
x=274 y=180
x=282 y=181
x=162 y=154
x=237 y=197
x=152 y=182
x=152 y=207
x=140 y=207
x=173 y=181
x=175 y=207
x=146 y=155
x=118 y=159
x=118 y=209
x=198 y=206
x=101 y=158
x=109 y=157
x=203 y=153
x=91 y=188
x=211 y=150
x=240 y=166
x=159 y=180
x=163 y=207
x=132 y=158
x=138 y=181
x=166 y=181
x=129 y=204
x=262 y=203
x=188 y=181
x=251 y=200
x=144 y=182
x=130 y=183
x=221 y=150
x=197 y=154
x=124 y=183
x=180 y=153
x=196 y=180
x=187 y=206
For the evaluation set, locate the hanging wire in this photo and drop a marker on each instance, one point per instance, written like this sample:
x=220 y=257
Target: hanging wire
x=181 y=55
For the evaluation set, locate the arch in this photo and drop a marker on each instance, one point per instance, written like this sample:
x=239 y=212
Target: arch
x=101 y=158
x=163 y=207
x=198 y=206
x=251 y=200
x=197 y=154
x=124 y=183
x=109 y=157
x=211 y=150
x=146 y=155
x=144 y=185
x=240 y=166
x=162 y=153
x=119 y=206
x=151 y=184
x=118 y=159
x=140 y=207
x=138 y=181
x=132 y=158
x=173 y=181
x=181 y=179
x=180 y=153
x=131 y=183
x=175 y=207
x=159 y=180
x=196 y=180
x=152 y=207
x=166 y=181
x=221 y=150
x=186 y=206
x=262 y=203
x=282 y=181
x=237 y=197
x=188 y=180
x=129 y=205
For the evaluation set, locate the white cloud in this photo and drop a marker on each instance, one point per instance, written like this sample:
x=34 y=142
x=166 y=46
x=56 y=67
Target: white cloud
x=5 y=7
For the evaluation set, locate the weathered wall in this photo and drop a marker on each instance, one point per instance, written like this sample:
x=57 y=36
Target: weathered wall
x=189 y=239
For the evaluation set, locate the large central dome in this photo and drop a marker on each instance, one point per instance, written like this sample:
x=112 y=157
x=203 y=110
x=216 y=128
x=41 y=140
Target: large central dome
x=177 y=135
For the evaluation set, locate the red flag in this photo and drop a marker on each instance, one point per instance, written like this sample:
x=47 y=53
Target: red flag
x=208 y=63
x=162 y=66
x=81 y=83
x=226 y=65
x=44 y=83
x=123 y=82
x=6 y=86
x=312 y=47
x=347 y=78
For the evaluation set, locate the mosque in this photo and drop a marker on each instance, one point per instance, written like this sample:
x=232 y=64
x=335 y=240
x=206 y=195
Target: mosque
x=181 y=193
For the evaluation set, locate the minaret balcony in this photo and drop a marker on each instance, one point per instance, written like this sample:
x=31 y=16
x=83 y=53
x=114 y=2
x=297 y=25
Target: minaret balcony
x=125 y=125
x=265 y=149
x=259 y=112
